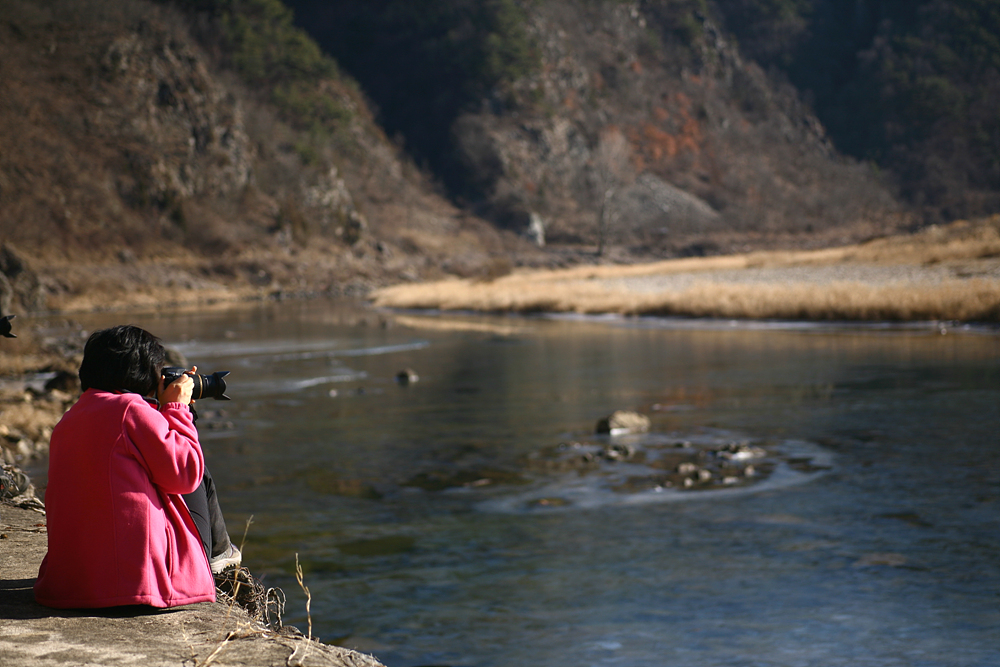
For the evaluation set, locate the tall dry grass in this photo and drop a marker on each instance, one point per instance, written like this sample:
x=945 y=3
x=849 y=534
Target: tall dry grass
x=710 y=293
x=964 y=300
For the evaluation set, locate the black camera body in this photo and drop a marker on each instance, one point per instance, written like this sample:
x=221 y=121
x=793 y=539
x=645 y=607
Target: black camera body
x=205 y=386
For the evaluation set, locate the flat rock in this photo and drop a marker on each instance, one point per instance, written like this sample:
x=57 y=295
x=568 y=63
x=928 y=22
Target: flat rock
x=211 y=633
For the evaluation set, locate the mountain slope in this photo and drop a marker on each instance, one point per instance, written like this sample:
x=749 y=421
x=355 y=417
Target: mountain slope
x=911 y=85
x=125 y=143
x=210 y=144
x=634 y=123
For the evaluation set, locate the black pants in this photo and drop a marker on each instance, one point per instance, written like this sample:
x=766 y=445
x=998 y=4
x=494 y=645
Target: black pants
x=203 y=505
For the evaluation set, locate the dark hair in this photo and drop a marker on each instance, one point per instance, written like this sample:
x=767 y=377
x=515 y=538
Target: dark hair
x=122 y=358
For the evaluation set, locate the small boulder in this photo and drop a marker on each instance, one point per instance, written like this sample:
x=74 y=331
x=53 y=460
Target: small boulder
x=64 y=381
x=406 y=377
x=687 y=468
x=621 y=422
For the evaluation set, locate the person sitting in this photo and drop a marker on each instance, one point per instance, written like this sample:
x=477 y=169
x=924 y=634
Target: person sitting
x=132 y=513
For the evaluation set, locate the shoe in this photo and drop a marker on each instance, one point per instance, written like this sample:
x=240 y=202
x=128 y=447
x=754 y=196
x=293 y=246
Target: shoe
x=8 y=489
x=229 y=558
x=13 y=482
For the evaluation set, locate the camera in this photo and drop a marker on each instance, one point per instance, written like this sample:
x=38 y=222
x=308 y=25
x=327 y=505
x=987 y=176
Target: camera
x=205 y=386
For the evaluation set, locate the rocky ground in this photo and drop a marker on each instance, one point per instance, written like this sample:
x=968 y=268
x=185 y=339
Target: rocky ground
x=218 y=633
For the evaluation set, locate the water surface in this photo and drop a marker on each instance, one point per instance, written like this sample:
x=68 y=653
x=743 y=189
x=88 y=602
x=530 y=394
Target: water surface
x=428 y=536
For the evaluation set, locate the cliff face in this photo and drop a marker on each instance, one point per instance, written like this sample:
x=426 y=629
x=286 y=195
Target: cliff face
x=634 y=125
x=110 y=124
x=658 y=122
x=123 y=141
x=181 y=134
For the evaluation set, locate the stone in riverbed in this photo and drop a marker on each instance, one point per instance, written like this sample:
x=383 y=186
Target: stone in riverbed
x=621 y=422
x=406 y=377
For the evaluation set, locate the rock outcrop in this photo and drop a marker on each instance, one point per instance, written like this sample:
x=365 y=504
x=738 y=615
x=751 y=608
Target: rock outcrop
x=129 y=140
x=708 y=145
x=209 y=633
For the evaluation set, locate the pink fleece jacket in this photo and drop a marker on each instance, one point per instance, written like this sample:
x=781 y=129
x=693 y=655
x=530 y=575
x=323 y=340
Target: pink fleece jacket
x=119 y=532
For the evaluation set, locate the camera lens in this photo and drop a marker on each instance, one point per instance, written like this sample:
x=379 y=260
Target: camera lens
x=205 y=386
x=210 y=386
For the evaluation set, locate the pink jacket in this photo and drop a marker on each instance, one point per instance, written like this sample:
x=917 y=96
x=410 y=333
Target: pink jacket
x=119 y=532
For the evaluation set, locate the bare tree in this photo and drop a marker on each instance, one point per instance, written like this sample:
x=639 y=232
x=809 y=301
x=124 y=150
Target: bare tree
x=613 y=170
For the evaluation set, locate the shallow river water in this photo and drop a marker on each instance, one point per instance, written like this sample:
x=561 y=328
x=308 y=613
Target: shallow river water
x=453 y=521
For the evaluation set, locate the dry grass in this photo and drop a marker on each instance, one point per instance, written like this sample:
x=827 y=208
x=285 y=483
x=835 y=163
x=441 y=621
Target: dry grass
x=949 y=273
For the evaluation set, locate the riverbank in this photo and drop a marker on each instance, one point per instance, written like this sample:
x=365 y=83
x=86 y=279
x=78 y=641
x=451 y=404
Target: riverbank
x=945 y=274
x=199 y=635
x=949 y=273
x=37 y=384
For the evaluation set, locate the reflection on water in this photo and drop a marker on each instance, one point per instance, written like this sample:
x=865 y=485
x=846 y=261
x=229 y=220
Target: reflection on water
x=447 y=521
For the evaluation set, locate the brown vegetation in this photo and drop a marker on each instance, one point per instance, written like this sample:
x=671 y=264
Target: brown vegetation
x=137 y=168
x=950 y=273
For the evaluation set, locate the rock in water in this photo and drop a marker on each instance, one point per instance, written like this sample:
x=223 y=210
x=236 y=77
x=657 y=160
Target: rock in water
x=623 y=421
x=406 y=377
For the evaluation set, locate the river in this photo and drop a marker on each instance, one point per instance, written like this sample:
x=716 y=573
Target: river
x=472 y=517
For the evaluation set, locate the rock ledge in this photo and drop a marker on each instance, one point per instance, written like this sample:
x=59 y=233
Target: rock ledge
x=194 y=636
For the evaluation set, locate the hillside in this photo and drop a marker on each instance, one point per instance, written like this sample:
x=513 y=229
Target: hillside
x=912 y=86
x=135 y=164
x=165 y=151
x=722 y=87
x=646 y=111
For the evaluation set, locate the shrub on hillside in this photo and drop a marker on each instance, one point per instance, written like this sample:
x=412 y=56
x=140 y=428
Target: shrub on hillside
x=260 y=42
x=911 y=85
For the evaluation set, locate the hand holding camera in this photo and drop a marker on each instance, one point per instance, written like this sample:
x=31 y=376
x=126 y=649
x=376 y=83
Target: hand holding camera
x=181 y=383
x=176 y=388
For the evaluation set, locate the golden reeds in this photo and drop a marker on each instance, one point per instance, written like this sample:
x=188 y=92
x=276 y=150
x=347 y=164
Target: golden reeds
x=918 y=277
x=964 y=300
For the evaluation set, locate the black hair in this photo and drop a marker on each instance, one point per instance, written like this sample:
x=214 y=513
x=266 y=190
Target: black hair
x=122 y=358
